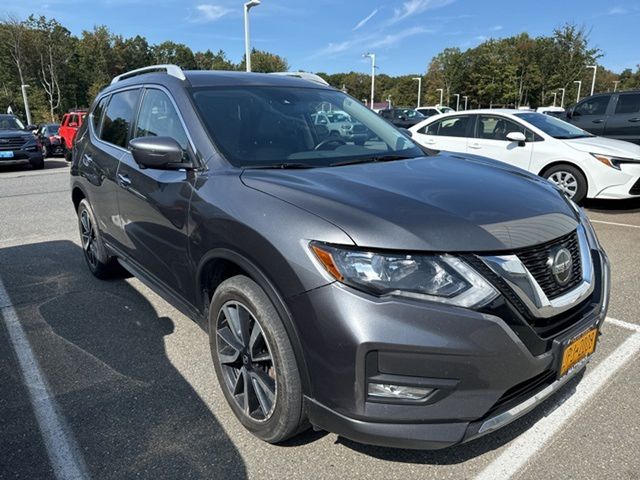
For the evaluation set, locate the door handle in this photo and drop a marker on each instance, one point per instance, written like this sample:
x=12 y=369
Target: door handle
x=475 y=146
x=86 y=160
x=430 y=142
x=597 y=121
x=636 y=119
x=123 y=180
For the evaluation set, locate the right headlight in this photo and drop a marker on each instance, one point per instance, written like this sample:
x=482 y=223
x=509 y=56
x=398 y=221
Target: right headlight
x=439 y=278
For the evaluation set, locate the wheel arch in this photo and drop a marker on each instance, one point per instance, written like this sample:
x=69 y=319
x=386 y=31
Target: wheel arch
x=222 y=263
x=77 y=195
x=555 y=163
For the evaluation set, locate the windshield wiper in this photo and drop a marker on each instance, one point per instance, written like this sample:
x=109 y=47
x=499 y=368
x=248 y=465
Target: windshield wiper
x=282 y=166
x=381 y=158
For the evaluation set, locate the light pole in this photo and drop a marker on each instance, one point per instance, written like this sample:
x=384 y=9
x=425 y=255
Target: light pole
x=593 y=82
x=441 y=90
x=579 y=82
x=247 y=48
x=389 y=101
x=26 y=103
x=555 y=95
x=457 y=95
x=372 y=56
x=419 y=79
x=466 y=97
x=562 y=98
x=615 y=85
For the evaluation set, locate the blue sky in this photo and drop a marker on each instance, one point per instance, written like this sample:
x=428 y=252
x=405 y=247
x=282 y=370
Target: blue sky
x=332 y=35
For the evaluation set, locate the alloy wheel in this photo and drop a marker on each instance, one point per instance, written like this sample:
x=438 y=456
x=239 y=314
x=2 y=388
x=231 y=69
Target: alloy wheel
x=246 y=361
x=566 y=182
x=88 y=239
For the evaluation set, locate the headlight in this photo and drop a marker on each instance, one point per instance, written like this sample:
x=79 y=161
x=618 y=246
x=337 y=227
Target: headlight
x=613 y=162
x=439 y=278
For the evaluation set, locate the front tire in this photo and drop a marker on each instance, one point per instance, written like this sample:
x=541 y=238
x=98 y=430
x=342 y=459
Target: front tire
x=254 y=361
x=37 y=164
x=569 y=179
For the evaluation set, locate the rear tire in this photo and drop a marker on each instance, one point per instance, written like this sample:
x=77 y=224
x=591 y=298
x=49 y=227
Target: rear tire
x=37 y=164
x=254 y=361
x=569 y=179
x=100 y=264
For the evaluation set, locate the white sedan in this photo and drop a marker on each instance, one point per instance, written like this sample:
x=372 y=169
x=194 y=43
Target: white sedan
x=580 y=163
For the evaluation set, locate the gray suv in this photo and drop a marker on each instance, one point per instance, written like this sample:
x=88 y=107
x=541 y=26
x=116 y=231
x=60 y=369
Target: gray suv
x=394 y=296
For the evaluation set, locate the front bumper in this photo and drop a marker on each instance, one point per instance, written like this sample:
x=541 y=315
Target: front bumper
x=22 y=157
x=483 y=372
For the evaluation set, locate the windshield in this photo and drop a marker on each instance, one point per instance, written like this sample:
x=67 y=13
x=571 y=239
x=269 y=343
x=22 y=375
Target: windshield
x=446 y=109
x=263 y=126
x=409 y=113
x=10 y=123
x=553 y=126
x=53 y=129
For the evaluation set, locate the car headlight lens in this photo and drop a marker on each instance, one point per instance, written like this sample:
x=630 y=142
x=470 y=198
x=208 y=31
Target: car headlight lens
x=439 y=278
x=613 y=162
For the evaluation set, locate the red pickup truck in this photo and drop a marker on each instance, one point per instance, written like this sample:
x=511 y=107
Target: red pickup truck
x=70 y=124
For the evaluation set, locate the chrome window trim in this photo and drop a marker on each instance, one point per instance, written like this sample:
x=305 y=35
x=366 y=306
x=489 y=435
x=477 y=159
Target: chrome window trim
x=511 y=269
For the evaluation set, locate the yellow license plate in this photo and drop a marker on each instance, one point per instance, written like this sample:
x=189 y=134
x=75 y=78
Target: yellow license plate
x=579 y=348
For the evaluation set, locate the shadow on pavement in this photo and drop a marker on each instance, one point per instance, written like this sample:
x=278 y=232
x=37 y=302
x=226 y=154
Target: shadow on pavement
x=50 y=163
x=101 y=347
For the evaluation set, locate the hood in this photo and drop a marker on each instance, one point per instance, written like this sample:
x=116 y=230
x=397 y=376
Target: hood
x=444 y=203
x=14 y=133
x=605 y=146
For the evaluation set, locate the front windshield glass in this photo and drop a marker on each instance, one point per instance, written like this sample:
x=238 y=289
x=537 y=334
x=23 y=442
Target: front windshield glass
x=10 y=123
x=264 y=126
x=553 y=126
x=409 y=113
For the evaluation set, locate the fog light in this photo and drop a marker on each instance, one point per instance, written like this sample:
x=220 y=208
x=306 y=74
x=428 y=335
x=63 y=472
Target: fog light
x=399 y=392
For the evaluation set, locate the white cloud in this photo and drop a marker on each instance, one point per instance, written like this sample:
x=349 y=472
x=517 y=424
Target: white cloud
x=394 y=38
x=364 y=42
x=414 y=7
x=211 y=13
x=362 y=22
x=496 y=28
x=617 y=11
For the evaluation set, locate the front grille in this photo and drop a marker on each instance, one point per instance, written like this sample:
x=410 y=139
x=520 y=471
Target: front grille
x=635 y=190
x=536 y=259
x=358 y=128
x=11 y=143
x=521 y=392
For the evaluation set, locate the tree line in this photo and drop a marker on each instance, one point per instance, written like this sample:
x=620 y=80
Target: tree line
x=65 y=71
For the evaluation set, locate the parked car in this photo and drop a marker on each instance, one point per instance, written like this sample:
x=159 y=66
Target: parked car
x=18 y=144
x=366 y=290
x=614 y=115
x=340 y=124
x=435 y=110
x=551 y=110
x=401 y=117
x=581 y=164
x=49 y=137
x=70 y=124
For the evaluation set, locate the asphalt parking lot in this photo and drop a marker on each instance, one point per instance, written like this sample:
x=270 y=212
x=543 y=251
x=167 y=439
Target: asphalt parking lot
x=129 y=380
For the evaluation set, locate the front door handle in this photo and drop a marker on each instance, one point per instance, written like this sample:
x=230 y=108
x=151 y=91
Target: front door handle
x=86 y=160
x=123 y=180
x=598 y=121
x=636 y=119
x=475 y=146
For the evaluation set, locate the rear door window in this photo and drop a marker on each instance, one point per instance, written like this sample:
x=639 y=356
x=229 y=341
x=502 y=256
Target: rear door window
x=118 y=117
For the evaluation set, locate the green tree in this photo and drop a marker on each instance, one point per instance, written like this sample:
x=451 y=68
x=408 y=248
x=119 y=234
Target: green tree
x=265 y=62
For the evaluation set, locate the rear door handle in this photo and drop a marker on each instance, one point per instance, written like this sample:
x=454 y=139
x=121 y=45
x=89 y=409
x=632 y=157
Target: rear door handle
x=475 y=146
x=636 y=119
x=123 y=180
x=86 y=160
x=598 y=121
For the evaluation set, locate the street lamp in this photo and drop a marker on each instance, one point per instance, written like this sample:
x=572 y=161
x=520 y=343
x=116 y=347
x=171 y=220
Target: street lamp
x=593 y=82
x=441 y=90
x=562 y=98
x=419 y=79
x=555 y=95
x=247 y=49
x=615 y=85
x=466 y=97
x=389 y=101
x=372 y=56
x=579 y=82
x=26 y=103
x=457 y=95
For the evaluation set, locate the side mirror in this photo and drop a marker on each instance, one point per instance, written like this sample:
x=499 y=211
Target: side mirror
x=32 y=128
x=517 y=137
x=162 y=153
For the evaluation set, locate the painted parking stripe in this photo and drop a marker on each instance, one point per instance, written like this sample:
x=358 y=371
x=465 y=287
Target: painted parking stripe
x=527 y=445
x=61 y=447
x=622 y=324
x=615 y=223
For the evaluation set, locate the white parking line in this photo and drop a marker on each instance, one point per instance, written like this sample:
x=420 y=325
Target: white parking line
x=523 y=448
x=622 y=324
x=615 y=223
x=61 y=447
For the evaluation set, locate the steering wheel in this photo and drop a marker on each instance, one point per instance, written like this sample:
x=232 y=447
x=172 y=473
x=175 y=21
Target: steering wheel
x=328 y=141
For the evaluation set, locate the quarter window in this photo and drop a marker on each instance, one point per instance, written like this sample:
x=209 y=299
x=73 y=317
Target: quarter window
x=158 y=118
x=593 y=106
x=628 y=103
x=118 y=116
x=96 y=115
